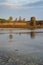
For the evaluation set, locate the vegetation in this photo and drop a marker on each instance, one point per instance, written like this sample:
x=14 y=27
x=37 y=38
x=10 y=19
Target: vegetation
x=10 y=18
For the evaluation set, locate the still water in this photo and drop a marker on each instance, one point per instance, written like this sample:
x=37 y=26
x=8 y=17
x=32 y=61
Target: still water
x=22 y=41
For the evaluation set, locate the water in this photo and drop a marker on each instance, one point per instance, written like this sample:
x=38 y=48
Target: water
x=27 y=42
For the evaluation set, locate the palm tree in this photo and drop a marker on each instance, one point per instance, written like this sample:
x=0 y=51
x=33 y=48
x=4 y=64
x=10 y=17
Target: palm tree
x=10 y=18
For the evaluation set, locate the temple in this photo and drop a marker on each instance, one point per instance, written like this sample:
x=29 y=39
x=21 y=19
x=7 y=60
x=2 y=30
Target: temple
x=31 y=24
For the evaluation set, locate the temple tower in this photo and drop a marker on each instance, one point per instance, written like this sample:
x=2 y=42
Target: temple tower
x=23 y=19
x=19 y=18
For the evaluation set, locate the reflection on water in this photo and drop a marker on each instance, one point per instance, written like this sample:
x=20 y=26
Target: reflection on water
x=32 y=34
x=23 y=41
x=10 y=35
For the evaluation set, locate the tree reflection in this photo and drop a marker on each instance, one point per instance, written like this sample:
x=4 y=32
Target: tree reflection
x=11 y=35
x=32 y=34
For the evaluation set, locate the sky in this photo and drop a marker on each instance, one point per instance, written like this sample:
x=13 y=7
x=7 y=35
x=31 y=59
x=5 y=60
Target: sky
x=24 y=8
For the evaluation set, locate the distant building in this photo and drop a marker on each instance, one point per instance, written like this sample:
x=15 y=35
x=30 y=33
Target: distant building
x=21 y=23
x=19 y=18
x=23 y=19
x=16 y=19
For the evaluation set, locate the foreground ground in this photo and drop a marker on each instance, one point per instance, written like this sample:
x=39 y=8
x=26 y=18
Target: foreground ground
x=19 y=59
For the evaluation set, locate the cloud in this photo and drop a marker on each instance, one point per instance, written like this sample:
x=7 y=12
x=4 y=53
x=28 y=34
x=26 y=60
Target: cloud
x=39 y=3
x=21 y=1
x=18 y=4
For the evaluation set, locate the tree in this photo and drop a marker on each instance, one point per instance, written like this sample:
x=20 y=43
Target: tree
x=33 y=21
x=2 y=20
x=10 y=18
